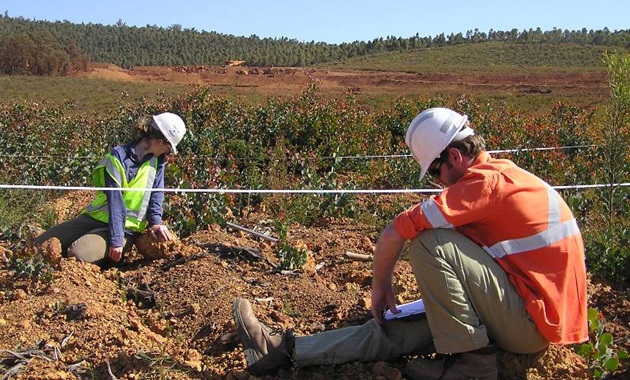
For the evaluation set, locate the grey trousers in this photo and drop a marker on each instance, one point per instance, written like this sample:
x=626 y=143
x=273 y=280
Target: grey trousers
x=83 y=237
x=469 y=301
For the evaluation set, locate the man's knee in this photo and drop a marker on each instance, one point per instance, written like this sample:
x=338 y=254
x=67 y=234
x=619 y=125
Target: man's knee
x=424 y=243
x=438 y=240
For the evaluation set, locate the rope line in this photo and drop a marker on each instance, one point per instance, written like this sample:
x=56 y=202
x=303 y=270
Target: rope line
x=280 y=191
x=356 y=157
x=302 y=191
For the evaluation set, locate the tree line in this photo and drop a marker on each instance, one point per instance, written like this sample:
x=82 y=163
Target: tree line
x=56 y=48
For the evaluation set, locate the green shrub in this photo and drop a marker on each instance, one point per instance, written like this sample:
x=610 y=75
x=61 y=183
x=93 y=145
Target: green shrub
x=606 y=240
x=18 y=207
x=291 y=257
x=32 y=267
x=599 y=353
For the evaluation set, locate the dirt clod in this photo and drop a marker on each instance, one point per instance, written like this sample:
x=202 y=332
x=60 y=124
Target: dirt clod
x=51 y=251
x=150 y=247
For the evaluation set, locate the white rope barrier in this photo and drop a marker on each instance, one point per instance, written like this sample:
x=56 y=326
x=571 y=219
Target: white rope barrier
x=280 y=191
x=366 y=157
x=489 y=151
x=226 y=191
x=307 y=191
x=540 y=149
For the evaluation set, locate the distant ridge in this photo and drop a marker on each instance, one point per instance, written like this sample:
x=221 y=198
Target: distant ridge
x=127 y=46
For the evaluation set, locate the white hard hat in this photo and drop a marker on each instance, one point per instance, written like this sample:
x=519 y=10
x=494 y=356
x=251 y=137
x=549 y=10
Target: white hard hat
x=431 y=131
x=172 y=127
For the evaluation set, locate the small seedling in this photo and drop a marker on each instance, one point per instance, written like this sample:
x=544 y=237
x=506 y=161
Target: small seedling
x=599 y=353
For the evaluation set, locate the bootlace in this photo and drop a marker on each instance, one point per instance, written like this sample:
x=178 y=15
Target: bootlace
x=288 y=338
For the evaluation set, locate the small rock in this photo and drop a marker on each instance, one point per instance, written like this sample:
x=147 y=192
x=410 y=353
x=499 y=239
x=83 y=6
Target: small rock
x=193 y=359
x=152 y=248
x=19 y=294
x=51 y=251
x=76 y=311
x=193 y=308
x=365 y=302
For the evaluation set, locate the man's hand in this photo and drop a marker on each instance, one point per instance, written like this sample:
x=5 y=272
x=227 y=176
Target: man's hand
x=160 y=232
x=115 y=253
x=386 y=254
x=383 y=299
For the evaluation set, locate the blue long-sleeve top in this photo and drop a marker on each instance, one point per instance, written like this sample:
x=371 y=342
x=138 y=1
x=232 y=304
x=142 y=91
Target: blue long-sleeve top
x=131 y=163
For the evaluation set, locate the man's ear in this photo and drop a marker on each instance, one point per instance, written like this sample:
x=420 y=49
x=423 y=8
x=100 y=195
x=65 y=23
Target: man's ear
x=455 y=156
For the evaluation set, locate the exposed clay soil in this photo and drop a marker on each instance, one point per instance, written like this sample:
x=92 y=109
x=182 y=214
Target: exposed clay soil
x=171 y=317
x=290 y=81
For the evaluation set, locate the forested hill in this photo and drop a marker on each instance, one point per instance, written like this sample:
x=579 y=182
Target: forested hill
x=58 y=47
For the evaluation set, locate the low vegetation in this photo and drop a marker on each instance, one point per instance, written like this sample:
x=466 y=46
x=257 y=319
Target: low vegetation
x=313 y=142
x=602 y=358
x=487 y=58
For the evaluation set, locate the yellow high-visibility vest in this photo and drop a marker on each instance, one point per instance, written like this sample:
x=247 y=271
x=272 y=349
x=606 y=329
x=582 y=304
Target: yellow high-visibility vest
x=136 y=202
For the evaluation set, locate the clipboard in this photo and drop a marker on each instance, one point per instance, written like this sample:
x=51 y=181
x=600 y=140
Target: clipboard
x=410 y=310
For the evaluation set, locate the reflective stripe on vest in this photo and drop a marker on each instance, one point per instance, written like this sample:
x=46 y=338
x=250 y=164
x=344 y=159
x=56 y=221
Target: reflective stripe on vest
x=555 y=232
x=136 y=202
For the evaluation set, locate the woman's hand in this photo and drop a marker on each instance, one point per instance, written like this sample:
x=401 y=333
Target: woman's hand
x=160 y=232
x=115 y=253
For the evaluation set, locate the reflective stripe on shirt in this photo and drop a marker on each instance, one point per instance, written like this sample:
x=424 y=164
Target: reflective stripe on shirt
x=555 y=232
x=433 y=214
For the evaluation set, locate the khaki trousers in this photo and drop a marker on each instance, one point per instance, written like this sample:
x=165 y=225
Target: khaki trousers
x=83 y=237
x=469 y=301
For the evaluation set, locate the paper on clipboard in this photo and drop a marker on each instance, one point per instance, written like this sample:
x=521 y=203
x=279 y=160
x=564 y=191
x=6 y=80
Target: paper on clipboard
x=406 y=310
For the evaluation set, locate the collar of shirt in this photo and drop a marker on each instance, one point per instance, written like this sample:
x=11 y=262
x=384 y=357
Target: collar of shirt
x=483 y=157
x=131 y=153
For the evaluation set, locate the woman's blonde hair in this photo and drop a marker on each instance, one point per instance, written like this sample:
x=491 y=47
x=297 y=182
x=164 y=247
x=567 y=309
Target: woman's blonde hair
x=145 y=127
x=141 y=128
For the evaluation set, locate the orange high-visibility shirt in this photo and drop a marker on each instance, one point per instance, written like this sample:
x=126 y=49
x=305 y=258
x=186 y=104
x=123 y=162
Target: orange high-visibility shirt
x=527 y=228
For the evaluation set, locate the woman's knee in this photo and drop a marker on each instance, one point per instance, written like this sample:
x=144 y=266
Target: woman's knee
x=89 y=248
x=79 y=252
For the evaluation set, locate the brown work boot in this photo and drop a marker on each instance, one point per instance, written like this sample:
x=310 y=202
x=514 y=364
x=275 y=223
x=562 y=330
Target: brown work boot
x=468 y=365
x=264 y=350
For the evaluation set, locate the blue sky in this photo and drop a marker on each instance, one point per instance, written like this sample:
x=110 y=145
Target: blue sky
x=334 y=21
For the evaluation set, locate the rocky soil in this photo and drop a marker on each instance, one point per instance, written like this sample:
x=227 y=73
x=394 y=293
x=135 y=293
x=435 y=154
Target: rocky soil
x=168 y=314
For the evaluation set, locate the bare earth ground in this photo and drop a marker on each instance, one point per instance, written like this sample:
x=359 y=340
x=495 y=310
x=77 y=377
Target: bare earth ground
x=171 y=317
x=291 y=81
